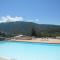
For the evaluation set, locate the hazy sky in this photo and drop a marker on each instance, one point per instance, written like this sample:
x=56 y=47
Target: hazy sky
x=40 y=11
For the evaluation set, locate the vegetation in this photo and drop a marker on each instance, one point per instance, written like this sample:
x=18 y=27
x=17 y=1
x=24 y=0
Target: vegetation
x=5 y=35
x=28 y=28
x=33 y=33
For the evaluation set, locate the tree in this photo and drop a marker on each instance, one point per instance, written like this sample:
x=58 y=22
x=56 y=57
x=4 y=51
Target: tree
x=33 y=33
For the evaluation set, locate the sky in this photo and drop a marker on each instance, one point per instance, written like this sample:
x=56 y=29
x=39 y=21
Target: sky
x=38 y=11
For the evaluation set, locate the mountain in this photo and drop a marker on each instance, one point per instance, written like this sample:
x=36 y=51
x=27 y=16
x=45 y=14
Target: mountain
x=16 y=27
x=21 y=27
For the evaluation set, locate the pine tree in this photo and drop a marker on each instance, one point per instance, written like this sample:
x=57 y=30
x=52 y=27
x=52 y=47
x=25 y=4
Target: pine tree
x=33 y=33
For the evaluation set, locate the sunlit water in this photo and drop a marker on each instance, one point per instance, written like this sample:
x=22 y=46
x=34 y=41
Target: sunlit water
x=30 y=51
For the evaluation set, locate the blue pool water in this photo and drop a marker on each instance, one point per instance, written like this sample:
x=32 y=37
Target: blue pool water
x=30 y=51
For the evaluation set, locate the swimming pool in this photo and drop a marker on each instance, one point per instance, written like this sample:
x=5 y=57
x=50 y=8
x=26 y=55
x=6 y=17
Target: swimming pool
x=29 y=51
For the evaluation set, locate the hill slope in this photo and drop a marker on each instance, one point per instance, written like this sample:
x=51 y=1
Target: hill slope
x=21 y=27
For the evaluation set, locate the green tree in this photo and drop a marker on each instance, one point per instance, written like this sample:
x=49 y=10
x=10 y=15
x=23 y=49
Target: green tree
x=33 y=33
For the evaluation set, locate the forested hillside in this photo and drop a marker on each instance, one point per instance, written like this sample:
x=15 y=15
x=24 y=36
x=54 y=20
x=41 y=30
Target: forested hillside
x=26 y=28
